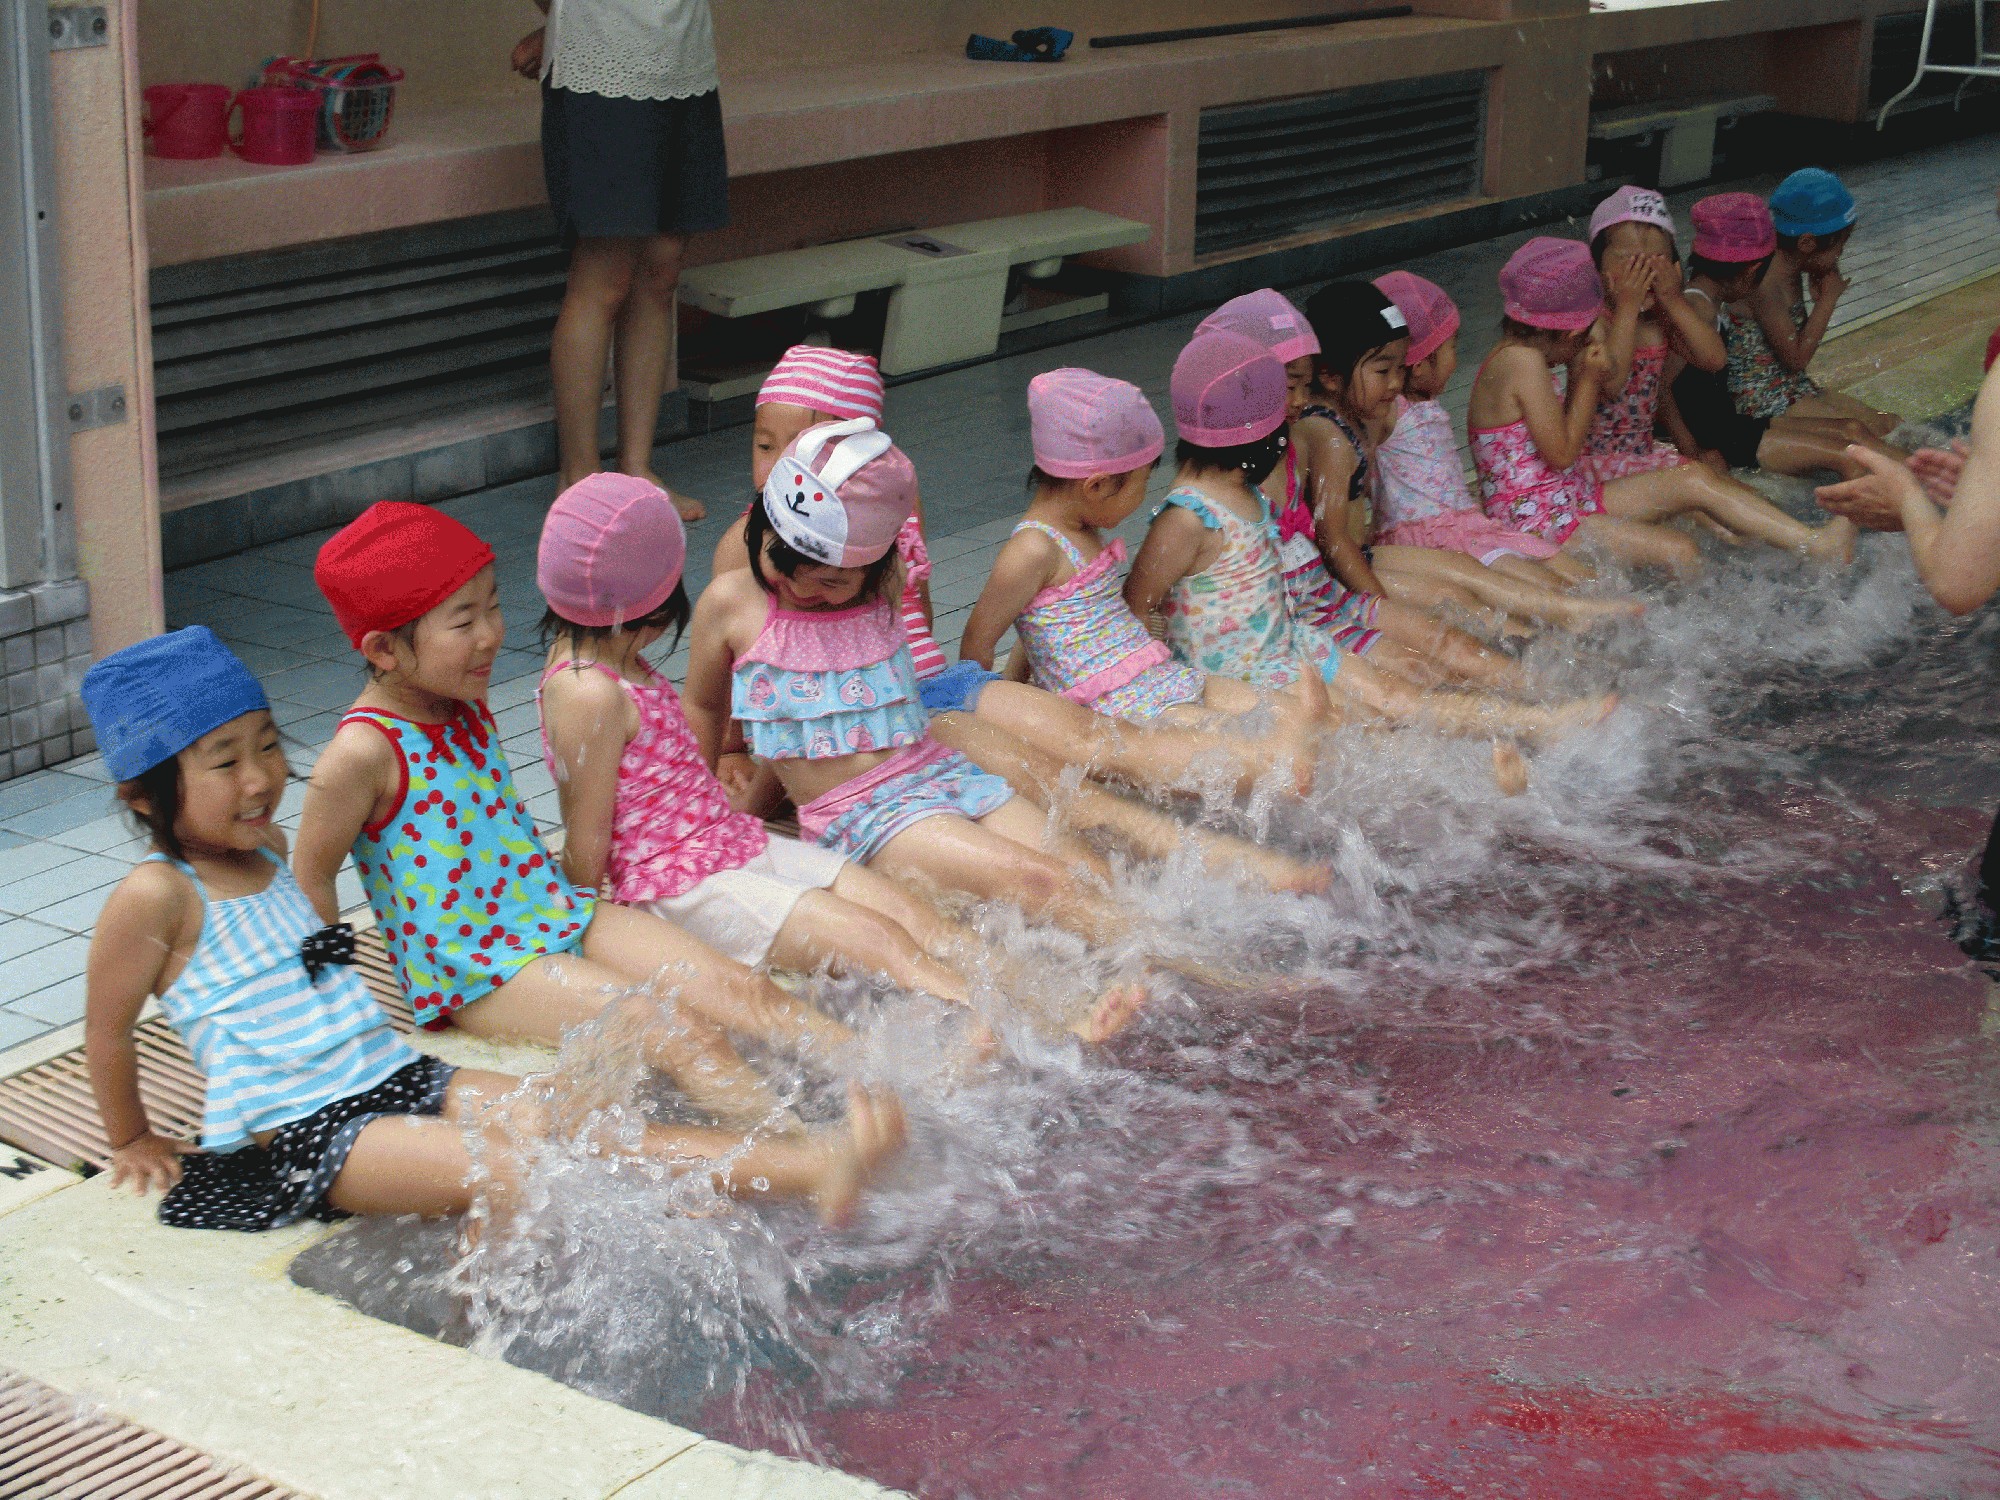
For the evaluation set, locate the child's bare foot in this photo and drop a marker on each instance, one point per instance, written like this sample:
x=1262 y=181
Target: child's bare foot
x=1283 y=873
x=855 y=1152
x=1701 y=521
x=1114 y=1011
x=690 y=508
x=1579 y=713
x=1597 y=611
x=1834 y=542
x=1510 y=769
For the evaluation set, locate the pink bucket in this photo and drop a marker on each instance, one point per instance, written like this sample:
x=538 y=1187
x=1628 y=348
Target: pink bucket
x=187 y=121
x=280 y=126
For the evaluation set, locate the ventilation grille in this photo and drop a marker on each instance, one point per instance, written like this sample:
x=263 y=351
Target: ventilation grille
x=1895 y=57
x=51 y=1448
x=1275 y=169
x=50 y=1110
x=257 y=354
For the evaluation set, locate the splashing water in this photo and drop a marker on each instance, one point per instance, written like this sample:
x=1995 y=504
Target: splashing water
x=1642 y=1126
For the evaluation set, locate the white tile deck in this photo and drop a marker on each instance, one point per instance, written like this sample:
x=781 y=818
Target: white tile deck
x=1927 y=224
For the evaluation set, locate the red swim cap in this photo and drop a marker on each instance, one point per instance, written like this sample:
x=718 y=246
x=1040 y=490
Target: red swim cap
x=394 y=563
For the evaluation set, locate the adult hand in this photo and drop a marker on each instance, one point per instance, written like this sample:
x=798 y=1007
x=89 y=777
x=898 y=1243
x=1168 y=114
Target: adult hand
x=1938 y=469
x=151 y=1164
x=527 y=58
x=1875 y=500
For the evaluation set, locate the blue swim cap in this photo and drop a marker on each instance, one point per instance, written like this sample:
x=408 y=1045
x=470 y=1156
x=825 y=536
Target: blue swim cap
x=1812 y=201
x=151 y=701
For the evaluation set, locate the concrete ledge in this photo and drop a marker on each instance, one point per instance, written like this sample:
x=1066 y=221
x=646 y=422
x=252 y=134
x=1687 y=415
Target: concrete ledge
x=200 y=1336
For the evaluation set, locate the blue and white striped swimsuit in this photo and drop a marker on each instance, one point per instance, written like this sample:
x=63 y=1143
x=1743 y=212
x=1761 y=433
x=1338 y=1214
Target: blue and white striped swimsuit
x=273 y=1046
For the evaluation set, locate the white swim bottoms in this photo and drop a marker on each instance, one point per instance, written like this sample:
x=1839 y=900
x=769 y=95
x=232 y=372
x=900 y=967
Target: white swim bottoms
x=738 y=912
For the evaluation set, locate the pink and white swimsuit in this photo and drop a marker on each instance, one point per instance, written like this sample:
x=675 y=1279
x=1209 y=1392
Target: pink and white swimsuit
x=1084 y=642
x=1622 y=441
x=1420 y=494
x=819 y=685
x=1521 y=488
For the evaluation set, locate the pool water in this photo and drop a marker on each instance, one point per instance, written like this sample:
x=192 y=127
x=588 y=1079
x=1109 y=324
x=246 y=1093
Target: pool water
x=1638 y=1136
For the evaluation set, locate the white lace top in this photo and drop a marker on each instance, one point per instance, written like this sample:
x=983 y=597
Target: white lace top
x=631 y=49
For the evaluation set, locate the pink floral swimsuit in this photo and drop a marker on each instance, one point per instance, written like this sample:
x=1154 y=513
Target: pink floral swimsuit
x=1622 y=440
x=1519 y=486
x=1232 y=619
x=671 y=826
x=1084 y=642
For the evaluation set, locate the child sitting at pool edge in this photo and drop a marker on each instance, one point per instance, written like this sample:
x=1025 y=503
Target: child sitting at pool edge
x=313 y=1106
x=486 y=931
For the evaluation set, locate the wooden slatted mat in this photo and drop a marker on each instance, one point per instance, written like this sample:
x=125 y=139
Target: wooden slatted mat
x=51 y=1449
x=50 y=1110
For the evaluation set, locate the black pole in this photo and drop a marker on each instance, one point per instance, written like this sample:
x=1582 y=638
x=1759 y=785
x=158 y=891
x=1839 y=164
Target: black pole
x=1241 y=28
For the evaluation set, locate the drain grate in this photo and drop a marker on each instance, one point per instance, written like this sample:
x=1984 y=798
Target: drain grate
x=53 y=1449
x=51 y=1111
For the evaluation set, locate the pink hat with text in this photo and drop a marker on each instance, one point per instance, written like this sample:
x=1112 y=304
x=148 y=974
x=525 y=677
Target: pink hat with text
x=835 y=382
x=612 y=550
x=1425 y=306
x=1085 y=423
x=1228 y=390
x=1270 y=319
x=1551 y=283
x=840 y=492
x=1632 y=205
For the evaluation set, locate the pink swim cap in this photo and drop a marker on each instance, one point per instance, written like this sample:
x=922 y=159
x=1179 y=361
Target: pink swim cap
x=1431 y=314
x=612 y=550
x=1270 y=319
x=1228 y=390
x=1632 y=205
x=1085 y=423
x=1734 y=228
x=833 y=381
x=840 y=492
x=1550 y=283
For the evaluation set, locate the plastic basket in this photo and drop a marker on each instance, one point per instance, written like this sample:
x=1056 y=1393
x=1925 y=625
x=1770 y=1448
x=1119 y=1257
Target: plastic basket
x=357 y=96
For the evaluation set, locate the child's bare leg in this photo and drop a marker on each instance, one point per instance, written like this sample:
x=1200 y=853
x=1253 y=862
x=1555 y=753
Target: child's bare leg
x=1834 y=404
x=1558 y=572
x=1696 y=487
x=1639 y=544
x=408 y=1164
x=552 y=995
x=1156 y=758
x=851 y=938
x=1466 y=715
x=1461 y=656
x=1006 y=863
x=1145 y=831
x=1532 y=593
x=650 y=949
x=1003 y=857
x=1800 y=446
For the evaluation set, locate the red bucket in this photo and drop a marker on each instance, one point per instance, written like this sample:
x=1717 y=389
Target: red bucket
x=187 y=121
x=280 y=126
